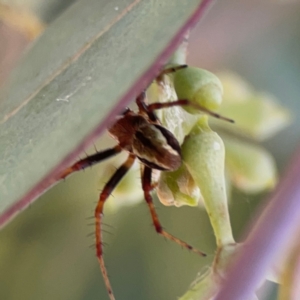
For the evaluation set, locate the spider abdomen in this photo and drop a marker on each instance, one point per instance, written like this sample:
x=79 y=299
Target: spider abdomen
x=157 y=147
x=154 y=145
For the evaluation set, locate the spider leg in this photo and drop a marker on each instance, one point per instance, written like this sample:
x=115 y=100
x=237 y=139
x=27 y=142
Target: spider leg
x=147 y=187
x=185 y=102
x=143 y=107
x=171 y=70
x=141 y=99
x=154 y=184
x=89 y=161
x=109 y=187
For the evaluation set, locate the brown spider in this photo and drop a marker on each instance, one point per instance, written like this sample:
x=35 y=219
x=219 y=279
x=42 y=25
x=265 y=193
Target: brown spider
x=143 y=137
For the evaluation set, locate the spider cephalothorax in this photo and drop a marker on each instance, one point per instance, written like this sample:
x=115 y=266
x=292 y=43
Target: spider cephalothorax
x=143 y=137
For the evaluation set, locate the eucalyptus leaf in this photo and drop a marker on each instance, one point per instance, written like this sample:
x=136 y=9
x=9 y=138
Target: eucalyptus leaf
x=94 y=59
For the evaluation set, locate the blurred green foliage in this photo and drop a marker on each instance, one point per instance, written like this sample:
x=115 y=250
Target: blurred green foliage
x=45 y=253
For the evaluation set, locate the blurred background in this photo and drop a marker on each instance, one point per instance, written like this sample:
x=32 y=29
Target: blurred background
x=45 y=251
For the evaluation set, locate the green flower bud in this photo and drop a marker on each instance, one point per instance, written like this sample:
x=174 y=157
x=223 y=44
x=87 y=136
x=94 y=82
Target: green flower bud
x=175 y=119
x=203 y=154
x=178 y=188
x=250 y=167
x=259 y=117
x=236 y=89
x=199 y=86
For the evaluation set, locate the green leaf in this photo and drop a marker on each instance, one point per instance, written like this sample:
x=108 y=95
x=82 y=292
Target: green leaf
x=94 y=59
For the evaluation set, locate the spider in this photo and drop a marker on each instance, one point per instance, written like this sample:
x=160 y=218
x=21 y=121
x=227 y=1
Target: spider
x=144 y=138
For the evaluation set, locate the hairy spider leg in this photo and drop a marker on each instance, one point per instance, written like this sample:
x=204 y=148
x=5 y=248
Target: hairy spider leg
x=143 y=107
x=149 y=108
x=169 y=71
x=90 y=161
x=185 y=102
x=109 y=187
x=147 y=187
x=140 y=100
